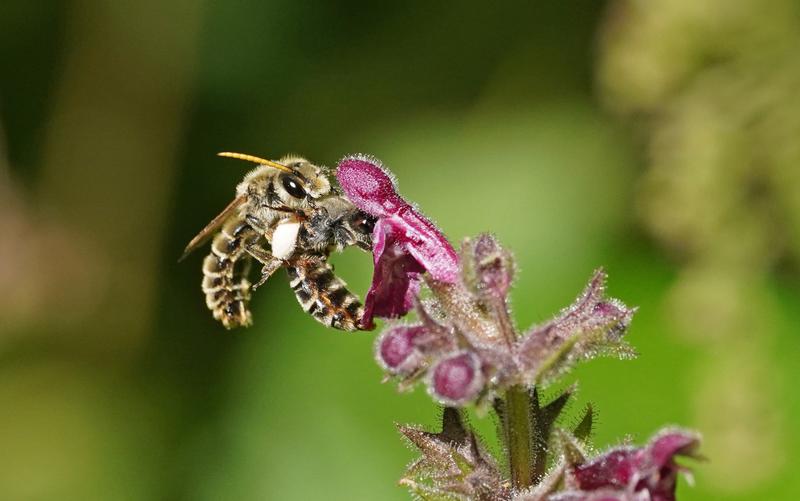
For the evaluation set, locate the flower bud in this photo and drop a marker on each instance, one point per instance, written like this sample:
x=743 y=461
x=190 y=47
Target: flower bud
x=593 y=325
x=489 y=268
x=395 y=348
x=456 y=379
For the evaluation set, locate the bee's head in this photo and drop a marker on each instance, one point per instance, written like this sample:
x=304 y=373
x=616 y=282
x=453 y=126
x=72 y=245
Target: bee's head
x=305 y=182
x=292 y=182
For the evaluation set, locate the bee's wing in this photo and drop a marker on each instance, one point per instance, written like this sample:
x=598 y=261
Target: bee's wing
x=213 y=226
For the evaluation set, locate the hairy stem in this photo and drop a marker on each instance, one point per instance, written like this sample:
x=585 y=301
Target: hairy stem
x=518 y=428
x=506 y=325
x=540 y=435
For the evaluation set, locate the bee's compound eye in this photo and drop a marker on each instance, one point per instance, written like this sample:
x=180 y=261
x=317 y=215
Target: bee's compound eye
x=293 y=187
x=364 y=224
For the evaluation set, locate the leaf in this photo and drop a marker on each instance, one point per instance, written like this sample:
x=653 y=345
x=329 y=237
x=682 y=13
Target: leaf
x=584 y=428
x=552 y=410
x=453 y=463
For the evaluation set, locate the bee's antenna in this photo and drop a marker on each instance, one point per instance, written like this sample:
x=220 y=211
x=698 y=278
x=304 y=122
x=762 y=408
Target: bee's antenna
x=256 y=160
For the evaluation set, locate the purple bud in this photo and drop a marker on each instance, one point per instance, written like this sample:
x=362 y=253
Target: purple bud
x=457 y=379
x=395 y=348
x=492 y=266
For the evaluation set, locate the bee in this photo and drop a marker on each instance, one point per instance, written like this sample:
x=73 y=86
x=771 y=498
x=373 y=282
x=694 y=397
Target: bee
x=285 y=214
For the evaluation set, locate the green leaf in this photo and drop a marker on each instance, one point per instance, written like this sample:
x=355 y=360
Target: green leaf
x=552 y=410
x=584 y=428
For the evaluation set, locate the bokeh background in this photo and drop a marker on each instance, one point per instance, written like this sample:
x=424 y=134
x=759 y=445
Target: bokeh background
x=660 y=139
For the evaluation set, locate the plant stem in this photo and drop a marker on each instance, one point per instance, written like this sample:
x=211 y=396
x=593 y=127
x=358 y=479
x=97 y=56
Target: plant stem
x=506 y=325
x=518 y=430
x=540 y=435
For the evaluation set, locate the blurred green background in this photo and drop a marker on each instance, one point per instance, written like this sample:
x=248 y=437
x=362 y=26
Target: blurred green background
x=659 y=139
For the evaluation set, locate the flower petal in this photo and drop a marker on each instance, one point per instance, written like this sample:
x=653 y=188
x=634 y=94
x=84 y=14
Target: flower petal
x=427 y=244
x=670 y=443
x=612 y=469
x=395 y=280
x=369 y=185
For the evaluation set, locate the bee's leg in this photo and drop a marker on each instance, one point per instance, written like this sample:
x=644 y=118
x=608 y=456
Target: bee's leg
x=270 y=263
x=260 y=254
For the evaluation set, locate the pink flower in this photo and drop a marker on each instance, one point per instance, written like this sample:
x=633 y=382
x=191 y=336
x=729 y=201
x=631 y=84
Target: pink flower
x=649 y=472
x=405 y=243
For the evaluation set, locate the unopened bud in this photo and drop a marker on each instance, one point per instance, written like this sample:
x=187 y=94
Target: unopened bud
x=490 y=267
x=457 y=379
x=395 y=348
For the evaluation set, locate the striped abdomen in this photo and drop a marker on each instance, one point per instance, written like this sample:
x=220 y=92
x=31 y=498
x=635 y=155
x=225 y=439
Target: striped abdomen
x=228 y=290
x=323 y=295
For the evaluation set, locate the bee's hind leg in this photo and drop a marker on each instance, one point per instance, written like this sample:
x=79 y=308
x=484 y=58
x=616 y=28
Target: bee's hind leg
x=270 y=263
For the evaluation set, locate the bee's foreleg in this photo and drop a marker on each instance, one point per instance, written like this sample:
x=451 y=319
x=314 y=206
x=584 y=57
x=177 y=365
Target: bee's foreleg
x=270 y=263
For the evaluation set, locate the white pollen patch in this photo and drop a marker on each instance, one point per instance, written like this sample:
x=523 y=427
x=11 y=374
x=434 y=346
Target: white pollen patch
x=284 y=239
